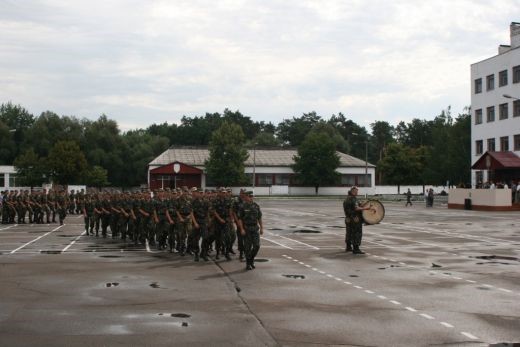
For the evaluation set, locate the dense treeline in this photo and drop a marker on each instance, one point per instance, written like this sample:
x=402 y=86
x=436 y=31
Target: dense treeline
x=71 y=150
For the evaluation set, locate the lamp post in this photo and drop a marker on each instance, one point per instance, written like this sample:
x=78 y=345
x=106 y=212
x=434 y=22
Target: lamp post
x=507 y=96
x=366 y=162
x=254 y=167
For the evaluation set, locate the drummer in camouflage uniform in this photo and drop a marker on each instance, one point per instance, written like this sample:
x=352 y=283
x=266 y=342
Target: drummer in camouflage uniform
x=353 y=221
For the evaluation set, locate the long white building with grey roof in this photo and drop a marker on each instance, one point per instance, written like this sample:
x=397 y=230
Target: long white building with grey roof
x=269 y=170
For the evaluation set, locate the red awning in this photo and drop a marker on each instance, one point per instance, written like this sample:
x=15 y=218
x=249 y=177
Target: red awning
x=497 y=160
x=183 y=169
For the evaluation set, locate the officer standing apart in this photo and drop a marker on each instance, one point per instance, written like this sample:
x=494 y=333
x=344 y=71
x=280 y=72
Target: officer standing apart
x=353 y=221
x=251 y=227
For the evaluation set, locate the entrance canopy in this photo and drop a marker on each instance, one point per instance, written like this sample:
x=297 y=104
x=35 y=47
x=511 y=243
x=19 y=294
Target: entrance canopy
x=497 y=161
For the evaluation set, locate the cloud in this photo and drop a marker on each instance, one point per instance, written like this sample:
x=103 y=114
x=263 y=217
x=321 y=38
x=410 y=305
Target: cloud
x=153 y=61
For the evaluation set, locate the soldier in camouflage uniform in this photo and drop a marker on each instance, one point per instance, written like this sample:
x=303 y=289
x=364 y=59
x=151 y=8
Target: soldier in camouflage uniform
x=251 y=227
x=185 y=221
x=237 y=206
x=163 y=219
x=172 y=213
x=88 y=215
x=201 y=213
x=61 y=206
x=222 y=214
x=353 y=221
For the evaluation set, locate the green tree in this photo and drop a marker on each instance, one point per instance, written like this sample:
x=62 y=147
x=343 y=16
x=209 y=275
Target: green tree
x=227 y=154
x=96 y=177
x=17 y=120
x=293 y=131
x=382 y=135
x=30 y=169
x=66 y=163
x=7 y=145
x=316 y=162
x=402 y=164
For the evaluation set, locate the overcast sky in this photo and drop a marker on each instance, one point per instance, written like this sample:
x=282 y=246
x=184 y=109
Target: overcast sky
x=142 y=62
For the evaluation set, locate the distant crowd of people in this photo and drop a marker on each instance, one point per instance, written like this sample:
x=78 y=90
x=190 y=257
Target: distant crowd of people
x=515 y=188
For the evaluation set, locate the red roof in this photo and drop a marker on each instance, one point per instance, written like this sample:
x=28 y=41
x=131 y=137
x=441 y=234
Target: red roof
x=497 y=160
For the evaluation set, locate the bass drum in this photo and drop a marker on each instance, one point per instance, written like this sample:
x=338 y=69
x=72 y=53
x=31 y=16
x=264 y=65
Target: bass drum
x=375 y=214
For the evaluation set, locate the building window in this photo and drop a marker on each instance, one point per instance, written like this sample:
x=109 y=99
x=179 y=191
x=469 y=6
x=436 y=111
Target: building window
x=504 y=143
x=516 y=74
x=478 y=85
x=502 y=78
x=478 y=116
x=265 y=179
x=12 y=180
x=516 y=108
x=281 y=179
x=490 y=113
x=491 y=145
x=356 y=180
x=517 y=142
x=479 y=177
x=2 y=180
x=490 y=82
x=478 y=147
x=503 y=111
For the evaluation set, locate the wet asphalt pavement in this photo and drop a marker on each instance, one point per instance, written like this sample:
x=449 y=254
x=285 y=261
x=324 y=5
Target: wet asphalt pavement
x=431 y=276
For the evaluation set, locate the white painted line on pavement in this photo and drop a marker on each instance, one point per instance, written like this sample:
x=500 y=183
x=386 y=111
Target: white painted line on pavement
x=411 y=309
x=447 y=325
x=73 y=242
x=395 y=302
x=279 y=244
x=303 y=243
x=427 y=316
x=36 y=239
x=473 y=337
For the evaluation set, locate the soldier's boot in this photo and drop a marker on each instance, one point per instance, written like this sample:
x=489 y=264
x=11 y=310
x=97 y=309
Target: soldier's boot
x=228 y=257
x=217 y=256
x=248 y=266
x=196 y=257
x=348 y=248
x=357 y=250
x=241 y=257
x=252 y=263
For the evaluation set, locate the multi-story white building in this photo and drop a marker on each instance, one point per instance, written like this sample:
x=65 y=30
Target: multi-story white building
x=495 y=121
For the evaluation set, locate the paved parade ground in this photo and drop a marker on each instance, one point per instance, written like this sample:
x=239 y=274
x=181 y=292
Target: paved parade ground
x=430 y=276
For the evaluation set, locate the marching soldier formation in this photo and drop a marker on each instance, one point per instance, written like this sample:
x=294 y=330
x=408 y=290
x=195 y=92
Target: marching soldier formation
x=35 y=207
x=185 y=221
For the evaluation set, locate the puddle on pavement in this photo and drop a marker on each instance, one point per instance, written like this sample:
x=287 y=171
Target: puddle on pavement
x=154 y=285
x=180 y=315
x=292 y=226
x=274 y=229
x=483 y=288
x=67 y=235
x=112 y=284
x=110 y=256
x=494 y=262
x=397 y=223
x=435 y=265
x=302 y=277
x=184 y=324
x=469 y=223
x=353 y=276
x=336 y=226
x=493 y=257
x=50 y=252
x=307 y=231
x=505 y=344
x=260 y=260
x=391 y=266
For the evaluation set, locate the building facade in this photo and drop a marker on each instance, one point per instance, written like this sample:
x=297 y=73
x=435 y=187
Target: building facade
x=7 y=177
x=270 y=169
x=495 y=107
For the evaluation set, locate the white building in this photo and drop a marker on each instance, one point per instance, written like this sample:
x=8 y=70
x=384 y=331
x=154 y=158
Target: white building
x=495 y=121
x=184 y=166
x=7 y=177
